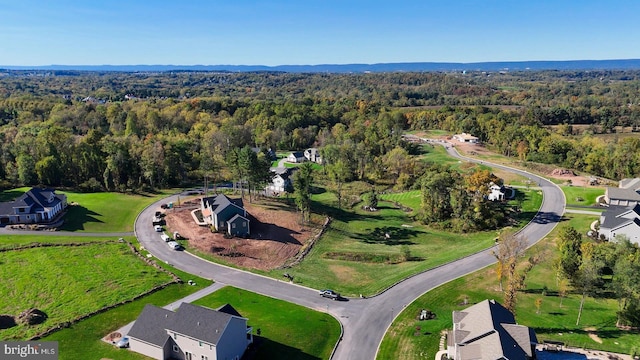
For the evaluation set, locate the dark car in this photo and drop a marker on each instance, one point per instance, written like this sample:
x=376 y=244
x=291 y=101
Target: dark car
x=330 y=294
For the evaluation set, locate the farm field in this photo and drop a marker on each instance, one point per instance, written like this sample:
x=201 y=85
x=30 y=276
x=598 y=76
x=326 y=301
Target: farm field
x=413 y=339
x=66 y=282
x=287 y=331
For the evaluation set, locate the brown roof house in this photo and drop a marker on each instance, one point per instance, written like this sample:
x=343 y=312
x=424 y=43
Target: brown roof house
x=192 y=332
x=488 y=331
x=35 y=206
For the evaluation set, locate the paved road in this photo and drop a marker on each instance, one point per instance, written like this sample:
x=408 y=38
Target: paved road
x=364 y=321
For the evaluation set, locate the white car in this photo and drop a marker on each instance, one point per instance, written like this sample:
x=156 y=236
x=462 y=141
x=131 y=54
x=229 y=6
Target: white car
x=157 y=228
x=174 y=245
x=165 y=238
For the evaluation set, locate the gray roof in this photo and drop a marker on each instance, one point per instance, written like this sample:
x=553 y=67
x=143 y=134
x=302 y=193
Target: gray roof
x=191 y=320
x=37 y=198
x=622 y=194
x=220 y=202
x=298 y=154
x=236 y=217
x=633 y=184
x=488 y=331
x=612 y=218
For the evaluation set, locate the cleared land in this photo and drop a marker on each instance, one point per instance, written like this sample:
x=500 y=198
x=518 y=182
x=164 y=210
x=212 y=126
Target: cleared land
x=276 y=235
x=287 y=331
x=67 y=282
x=409 y=338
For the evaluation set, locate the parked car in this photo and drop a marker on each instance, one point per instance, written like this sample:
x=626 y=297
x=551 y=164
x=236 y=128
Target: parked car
x=165 y=238
x=157 y=228
x=123 y=343
x=330 y=294
x=174 y=245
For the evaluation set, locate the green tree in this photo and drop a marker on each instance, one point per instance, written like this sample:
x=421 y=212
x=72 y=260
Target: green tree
x=302 y=182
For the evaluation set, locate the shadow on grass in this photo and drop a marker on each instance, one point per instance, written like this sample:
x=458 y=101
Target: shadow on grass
x=77 y=216
x=264 y=348
x=10 y=195
x=389 y=235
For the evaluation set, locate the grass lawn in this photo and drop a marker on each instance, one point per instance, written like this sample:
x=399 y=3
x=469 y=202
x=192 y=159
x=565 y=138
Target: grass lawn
x=11 y=241
x=105 y=212
x=355 y=256
x=582 y=195
x=553 y=322
x=67 y=282
x=288 y=331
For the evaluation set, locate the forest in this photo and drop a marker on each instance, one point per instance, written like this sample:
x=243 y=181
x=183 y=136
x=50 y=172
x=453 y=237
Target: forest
x=121 y=131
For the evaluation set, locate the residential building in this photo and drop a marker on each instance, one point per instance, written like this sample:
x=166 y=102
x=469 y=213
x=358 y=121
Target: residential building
x=296 y=157
x=35 y=206
x=497 y=192
x=488 y=331
x=225 y=215
x=280 y=182
x=313 y=155
x=626 y=194
x=191 y=333
x=620 y=220
x=466 y=138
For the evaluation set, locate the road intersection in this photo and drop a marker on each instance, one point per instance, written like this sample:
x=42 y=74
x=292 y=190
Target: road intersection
x=364 y=321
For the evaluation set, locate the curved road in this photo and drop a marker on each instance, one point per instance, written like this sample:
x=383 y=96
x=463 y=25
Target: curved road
x=364 y=321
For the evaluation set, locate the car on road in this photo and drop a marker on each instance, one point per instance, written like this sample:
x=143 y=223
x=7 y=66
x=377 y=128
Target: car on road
x=330 y=294
x=174 y=245
x=165 y=238
x=123 y=343
x=157 y=228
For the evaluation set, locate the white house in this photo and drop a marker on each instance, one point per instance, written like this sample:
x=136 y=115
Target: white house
x=313 y=155
x=497 y=192
x=488 y=331
x=296 y=157
x=619 y=220
x=466 y=138
x=280 y=182
x=35 y=206
x=192 y=332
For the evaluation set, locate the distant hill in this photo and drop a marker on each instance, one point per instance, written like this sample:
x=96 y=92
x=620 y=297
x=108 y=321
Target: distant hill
x=628 y=64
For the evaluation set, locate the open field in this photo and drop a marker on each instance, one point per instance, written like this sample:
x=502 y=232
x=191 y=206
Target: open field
x=582 y=195
x=85 y=336
x=355 y=255
x=288 y=331
x=105 y=212
x=66 y=282
x=554 y=322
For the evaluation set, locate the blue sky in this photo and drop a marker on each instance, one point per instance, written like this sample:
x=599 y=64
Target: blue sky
x=282 y=32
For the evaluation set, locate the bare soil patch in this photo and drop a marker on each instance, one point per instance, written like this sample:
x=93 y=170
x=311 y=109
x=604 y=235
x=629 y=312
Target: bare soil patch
x=276 y=235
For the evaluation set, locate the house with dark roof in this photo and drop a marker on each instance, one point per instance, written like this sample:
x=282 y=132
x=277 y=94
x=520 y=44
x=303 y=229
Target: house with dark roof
x=620 y=220
x=296 y=157
x=626 y=194
x=35 y=206
x=488 y=331
x=192 y=332
x=225 y=215
x=313 y=155
x=280 y=181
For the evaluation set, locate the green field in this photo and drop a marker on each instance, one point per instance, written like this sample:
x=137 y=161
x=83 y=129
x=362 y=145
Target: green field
x=69 y=281
x=581 y=195
x=554 y=322
x=105 y=212
x=85 y=336
x=287 y=331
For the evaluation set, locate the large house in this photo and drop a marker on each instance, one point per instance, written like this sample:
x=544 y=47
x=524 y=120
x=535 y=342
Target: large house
x=626 y=194
x=488 y=331
x=35 y=206
x=313 y=155
x=191 y=333
x=280 y=182
x=466 y=138
x=620 y=220
x=296 y=157
x=225 y=215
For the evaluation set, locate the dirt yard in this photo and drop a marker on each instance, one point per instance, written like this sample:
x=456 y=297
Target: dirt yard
x=276 y=235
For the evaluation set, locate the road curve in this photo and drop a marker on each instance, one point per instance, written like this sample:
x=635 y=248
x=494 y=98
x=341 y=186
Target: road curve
x=364 y=321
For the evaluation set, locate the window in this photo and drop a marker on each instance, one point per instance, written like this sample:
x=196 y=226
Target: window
x=204 y=357
x=21 y=210
x=176 y=348
x=200 y=343
x=188 y=356
x=175 y=336
x=233 y=226
x=244 y=224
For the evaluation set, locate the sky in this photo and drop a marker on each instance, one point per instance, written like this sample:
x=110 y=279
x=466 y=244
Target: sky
x=310 y=32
